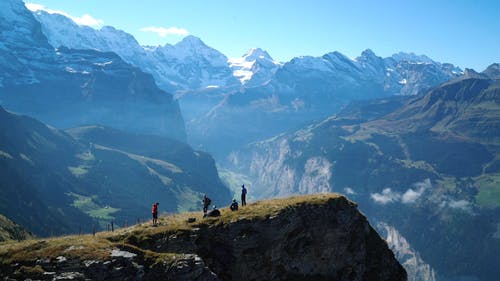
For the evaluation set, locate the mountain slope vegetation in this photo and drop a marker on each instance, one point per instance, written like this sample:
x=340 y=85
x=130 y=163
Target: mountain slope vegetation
x=53 y=182
x=428 y=165
x=12 y=231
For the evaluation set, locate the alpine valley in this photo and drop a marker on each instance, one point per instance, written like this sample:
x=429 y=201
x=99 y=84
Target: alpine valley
x=95 y=127
x=424 y=168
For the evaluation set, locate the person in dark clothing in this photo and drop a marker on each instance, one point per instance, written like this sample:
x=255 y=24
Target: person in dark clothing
x=243 y=196
x=234 y=205
x=206 y=202
x=154 y=211
x=213 y=213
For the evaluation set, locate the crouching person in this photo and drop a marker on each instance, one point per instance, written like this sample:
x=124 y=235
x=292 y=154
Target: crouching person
x=234 y=205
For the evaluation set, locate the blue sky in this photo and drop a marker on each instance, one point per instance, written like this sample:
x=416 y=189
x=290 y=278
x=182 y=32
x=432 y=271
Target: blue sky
x=463 y=32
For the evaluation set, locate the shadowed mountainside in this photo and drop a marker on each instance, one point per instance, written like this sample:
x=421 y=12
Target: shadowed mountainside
x=12 y=231
x=53 y=182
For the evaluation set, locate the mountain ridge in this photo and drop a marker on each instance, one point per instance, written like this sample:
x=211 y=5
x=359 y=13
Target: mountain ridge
x=67 y=87
x=316 y=237
x=142 y=55
x=426 y=164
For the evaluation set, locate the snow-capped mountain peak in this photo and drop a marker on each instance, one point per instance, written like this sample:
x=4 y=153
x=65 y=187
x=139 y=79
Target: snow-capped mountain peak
x=18 y=27
x=411 y=57
x=257 y=53
x=191 y=41
x=193 y=48
x=368 y=53
x=256 y=67
x=189 y=64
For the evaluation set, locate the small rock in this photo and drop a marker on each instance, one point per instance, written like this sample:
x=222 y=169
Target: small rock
x=61 y=259
x=119 y=253
x=69 y=276
x=88 y=263
x=73 y=248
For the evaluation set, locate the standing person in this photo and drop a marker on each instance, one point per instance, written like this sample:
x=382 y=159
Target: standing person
x=154 y=211
x=243 y=196
x=206 y=202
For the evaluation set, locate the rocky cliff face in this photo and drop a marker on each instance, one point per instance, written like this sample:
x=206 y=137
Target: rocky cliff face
x=417 y=269
x=429 y=168
x=319 y=237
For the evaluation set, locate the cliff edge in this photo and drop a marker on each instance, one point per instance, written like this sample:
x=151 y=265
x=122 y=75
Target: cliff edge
x=315 y=237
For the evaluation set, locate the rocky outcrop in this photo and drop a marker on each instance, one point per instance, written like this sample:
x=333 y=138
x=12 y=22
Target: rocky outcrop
x=417 y=269
x=319 y=237
x=405 y=165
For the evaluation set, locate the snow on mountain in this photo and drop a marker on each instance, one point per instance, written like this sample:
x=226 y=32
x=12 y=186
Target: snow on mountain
x=17 y=26
x=254 y=68
x=192 y=47
x=401 y=74
x=411 y=57
x=36 y=78
x=191 y=65
x=20 y=35
x=187 y=65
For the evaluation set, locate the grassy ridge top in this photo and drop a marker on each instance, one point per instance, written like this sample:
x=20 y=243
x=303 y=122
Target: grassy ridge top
x=87 y=247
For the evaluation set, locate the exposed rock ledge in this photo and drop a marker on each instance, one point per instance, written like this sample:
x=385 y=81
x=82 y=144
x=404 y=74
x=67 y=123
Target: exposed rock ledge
x=316 y=237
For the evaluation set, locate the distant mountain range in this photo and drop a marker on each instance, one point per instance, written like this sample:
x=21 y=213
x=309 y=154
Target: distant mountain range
x=192 y=65
x=412 y=140
x=66 y=87
x=65 y=182
x=427 y=165
x=218 y=94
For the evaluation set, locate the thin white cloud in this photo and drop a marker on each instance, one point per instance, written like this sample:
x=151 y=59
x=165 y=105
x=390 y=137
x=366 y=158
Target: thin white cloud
x=460 y=204
x=411 y=195
x=166 y=31
x=387 y=196
x=349 y=191
x=85 y=19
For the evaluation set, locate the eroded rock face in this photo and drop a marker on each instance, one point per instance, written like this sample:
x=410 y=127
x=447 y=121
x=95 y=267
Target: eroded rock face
x=319 y=239
x=310 y=242
x=181 y=268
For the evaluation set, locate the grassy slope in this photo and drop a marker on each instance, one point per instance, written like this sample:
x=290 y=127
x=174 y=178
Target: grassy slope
x=11 y=231
x=52 y=182
x=86 y=247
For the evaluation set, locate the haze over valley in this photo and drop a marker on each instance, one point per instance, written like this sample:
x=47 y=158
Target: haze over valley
x=95 y=127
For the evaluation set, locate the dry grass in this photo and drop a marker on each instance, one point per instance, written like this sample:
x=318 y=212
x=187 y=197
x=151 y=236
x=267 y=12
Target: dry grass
x=257 y=210
x=84 y=247
x=87 y=247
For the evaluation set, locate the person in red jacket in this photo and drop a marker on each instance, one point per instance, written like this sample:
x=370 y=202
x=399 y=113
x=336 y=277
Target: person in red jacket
x=154 y=211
